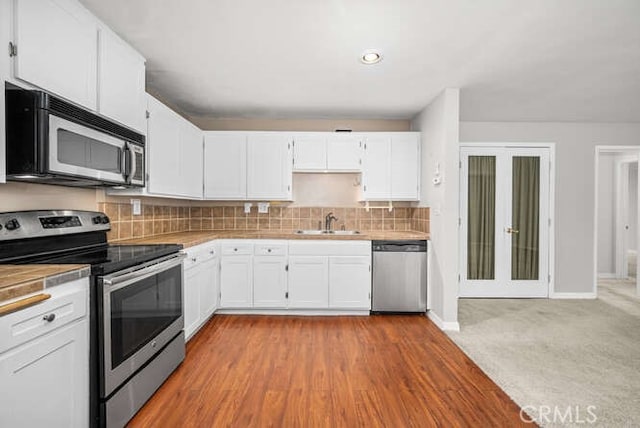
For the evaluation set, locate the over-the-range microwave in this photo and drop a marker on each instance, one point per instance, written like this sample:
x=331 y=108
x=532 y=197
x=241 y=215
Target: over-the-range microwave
x=52 y=141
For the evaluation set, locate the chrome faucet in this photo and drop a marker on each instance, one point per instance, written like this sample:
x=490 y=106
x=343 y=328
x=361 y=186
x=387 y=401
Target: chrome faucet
x=327 y=221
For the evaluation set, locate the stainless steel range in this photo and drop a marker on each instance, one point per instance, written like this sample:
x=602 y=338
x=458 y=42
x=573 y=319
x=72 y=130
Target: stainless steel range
x=137 y=337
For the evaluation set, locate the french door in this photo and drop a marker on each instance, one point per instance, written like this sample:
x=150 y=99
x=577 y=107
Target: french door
x=504 y=210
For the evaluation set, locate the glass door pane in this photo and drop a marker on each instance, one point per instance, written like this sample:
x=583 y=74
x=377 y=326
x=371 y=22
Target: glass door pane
x=83 y=151
x=481 y=217
x=525 y=222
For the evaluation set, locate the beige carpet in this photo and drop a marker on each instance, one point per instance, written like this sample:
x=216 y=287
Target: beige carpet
x=561 y=354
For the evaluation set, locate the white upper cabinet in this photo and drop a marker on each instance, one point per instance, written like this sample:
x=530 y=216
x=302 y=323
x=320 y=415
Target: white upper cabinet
x=190 y=169
x=163 y=150
x=269 y=166
x=5 y=73
x=225 y=165
x=327 y=152
x=344 y=152
x=376 y=176
x=57 y=48
x=405 y=166
x=121 y=82
x=310 y=152
x=391 y=166
x=174 y=150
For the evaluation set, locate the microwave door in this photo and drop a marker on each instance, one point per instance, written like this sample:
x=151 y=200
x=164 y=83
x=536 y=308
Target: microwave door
x=76 y=150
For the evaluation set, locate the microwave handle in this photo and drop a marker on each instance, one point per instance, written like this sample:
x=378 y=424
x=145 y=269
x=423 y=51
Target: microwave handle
x=130 y=163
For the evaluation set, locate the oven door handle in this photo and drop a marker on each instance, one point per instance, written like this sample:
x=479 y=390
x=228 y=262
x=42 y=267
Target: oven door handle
x=115 y=282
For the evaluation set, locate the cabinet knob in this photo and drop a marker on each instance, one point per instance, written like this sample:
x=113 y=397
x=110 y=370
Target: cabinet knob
x=194 y=259
x=212 y=252
x=235 y=249
x=49 y=318
x=269 y=250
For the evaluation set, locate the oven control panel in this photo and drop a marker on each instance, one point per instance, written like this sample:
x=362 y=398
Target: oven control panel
x=60 y=221
x=35 y=224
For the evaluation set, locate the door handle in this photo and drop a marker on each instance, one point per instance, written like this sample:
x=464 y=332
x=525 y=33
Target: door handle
x=512 y=230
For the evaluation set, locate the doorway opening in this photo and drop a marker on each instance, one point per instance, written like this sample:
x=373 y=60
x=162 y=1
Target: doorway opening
x=617 y=223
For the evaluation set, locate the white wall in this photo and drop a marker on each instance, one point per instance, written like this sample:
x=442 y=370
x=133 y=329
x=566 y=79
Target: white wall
x=606 y=214
x=439 y=123
x=575 y=176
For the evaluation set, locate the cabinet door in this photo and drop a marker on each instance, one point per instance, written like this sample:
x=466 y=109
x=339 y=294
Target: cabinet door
x=405 y=166
x=163 y=149
x=121 y=85
x=344 y=152
x=5 y=73
x=191 y=301
x=208 y=288
x=308 y=282
x=269 y=166
x=236 y=282
x=269 y=282
x=45 y=382
x=350 y=282
x=225 y=166
x=310 y=152
x=376 y=176
x=57 y=44
x=190 y=176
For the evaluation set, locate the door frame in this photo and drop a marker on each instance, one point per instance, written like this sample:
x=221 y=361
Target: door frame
x=622 y=150
x=552 y=205
x=621 y=214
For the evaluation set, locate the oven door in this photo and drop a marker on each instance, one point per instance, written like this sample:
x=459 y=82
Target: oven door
x=79 y=151
x=141 y=312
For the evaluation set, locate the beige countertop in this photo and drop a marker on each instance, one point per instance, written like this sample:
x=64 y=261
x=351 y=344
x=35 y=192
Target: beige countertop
x=20 y=280
x=190 y=239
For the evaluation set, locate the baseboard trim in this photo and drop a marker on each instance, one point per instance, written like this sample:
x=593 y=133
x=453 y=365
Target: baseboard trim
x=589 y=295
x=606 y=275
x=442 y=325
x=296 y=312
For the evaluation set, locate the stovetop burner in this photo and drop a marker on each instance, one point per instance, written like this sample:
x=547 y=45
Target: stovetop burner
x=114 y=257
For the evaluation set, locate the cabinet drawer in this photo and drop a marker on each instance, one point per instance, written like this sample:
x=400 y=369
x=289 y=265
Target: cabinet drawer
x=329 y=248
x=199 y=254
x=231 y=248
x=68 y=302
x=270 y=248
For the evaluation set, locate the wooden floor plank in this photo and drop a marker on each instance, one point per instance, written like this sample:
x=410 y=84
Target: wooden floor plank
x=262 y=371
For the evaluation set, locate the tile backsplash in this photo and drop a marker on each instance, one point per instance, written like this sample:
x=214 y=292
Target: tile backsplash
x=160 y=219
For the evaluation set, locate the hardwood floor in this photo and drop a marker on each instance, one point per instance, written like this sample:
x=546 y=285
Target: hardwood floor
x=377 y=371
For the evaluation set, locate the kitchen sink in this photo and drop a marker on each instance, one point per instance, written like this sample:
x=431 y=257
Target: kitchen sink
x=327 y=232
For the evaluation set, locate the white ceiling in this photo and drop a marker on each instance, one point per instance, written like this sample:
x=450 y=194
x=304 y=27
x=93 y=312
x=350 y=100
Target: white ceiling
x=514 y=60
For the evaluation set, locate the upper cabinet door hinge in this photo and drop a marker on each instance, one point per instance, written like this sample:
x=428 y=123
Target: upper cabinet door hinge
x=147 y=114
x=286 y=268
x=13 y=49
x=460 y=164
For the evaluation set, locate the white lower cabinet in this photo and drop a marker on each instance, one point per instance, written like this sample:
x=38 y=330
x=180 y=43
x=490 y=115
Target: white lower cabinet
x=308 y=282
x=201 y=286
x=236 y=274
x=350 y=282
x=44 y=365
x=270 y=274
x=298 y=275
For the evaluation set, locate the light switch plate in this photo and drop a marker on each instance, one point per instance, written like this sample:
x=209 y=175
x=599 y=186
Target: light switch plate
x=247 y=207
x=263 y=207
x=136 y=207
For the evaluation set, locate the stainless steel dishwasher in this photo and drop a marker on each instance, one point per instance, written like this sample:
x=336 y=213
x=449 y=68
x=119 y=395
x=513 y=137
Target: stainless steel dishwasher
x=399 y=276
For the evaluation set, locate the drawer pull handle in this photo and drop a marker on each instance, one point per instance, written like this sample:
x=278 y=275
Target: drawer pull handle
x=212 y=252
x=49 y=318
x=235 y=249
x=269 y=250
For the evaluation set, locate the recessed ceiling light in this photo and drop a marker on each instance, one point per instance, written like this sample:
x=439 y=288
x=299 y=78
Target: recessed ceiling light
x=370 y=56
